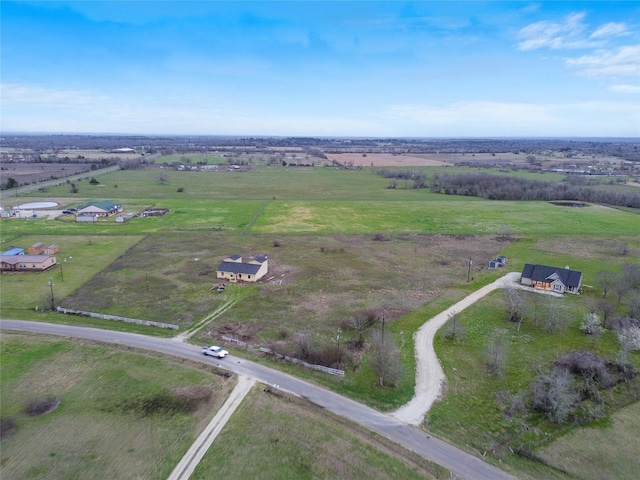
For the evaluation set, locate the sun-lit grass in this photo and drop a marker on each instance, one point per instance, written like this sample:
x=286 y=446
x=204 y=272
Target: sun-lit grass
x=271 y=436
x=85 y=437
x=608 y=450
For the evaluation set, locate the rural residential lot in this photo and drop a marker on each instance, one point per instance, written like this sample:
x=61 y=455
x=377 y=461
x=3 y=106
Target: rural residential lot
x=366 y=241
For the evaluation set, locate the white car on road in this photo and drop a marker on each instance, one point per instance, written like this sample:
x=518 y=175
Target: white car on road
x=215 y=351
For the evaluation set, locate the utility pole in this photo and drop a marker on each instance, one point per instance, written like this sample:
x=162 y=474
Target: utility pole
x=469 y=270
x=147 y=275
x=383 y=326
x=52 y=299
x=339 y=332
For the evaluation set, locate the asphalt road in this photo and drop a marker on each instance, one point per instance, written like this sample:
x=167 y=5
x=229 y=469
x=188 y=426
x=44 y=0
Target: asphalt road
x=459 y=462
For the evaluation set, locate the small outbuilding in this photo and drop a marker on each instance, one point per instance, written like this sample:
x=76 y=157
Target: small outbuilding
x=51 y=250
x=36 y=249
x=234 y=269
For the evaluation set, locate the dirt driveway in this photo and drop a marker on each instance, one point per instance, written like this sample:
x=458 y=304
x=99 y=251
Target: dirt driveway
x=430 y=377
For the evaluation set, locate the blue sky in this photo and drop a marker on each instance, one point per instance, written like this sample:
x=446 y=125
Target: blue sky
x=318 y=68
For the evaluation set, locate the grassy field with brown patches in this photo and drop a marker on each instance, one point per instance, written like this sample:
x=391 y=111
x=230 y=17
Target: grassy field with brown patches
x=105 y=426
x=280 y=436
x=386 y=160
x=601 y=451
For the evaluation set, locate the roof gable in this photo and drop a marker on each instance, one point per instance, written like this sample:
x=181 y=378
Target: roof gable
x=235 y=267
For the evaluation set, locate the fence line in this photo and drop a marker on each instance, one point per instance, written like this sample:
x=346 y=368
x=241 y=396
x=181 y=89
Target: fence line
x=297 y=361
x=147 y=323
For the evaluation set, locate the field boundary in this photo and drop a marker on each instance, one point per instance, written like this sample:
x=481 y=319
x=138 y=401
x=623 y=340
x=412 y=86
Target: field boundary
x=297 y=361
x=146 y=323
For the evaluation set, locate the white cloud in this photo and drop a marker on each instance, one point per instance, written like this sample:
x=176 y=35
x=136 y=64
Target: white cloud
x=13 y=94
x=554 y=35
x=633 y=89
x=616 y=119
x=611 y=29
x=623 y=62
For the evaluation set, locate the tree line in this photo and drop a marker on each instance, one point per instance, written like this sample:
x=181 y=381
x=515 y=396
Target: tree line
x=496 y=187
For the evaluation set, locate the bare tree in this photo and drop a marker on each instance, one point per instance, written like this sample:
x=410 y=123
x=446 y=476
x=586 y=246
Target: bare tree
x=163 y=178
x=554 y=317
x=453 y=329
x=554 y=395
x=606 y=309
x=385 y=359
x=496 y=352
x=514 y=302
x=607 y=280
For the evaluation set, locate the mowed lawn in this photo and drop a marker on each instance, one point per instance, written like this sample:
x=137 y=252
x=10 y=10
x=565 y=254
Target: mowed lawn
x=110 y=422
x=79 y=259
x=281 y=437
x=600 y=451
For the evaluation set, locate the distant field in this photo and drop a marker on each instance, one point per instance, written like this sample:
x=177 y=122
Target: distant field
x=386 y=160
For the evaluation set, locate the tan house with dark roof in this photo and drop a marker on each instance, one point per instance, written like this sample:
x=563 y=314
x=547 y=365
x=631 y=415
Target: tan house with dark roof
x=234 y=269
x=27 y=263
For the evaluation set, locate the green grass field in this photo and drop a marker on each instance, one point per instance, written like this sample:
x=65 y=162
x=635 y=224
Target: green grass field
x=607 y=450
x=88 y=436
x=328 y=267
x=273 y=436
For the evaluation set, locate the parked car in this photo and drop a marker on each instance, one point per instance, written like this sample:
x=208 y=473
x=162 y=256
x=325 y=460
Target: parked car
x=215 y=351
x=67 y=212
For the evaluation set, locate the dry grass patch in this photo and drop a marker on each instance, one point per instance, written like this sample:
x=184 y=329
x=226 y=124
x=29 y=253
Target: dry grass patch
x=281 y=436
x=609 y=451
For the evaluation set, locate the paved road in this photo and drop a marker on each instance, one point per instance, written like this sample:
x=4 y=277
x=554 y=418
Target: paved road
x=459 y=462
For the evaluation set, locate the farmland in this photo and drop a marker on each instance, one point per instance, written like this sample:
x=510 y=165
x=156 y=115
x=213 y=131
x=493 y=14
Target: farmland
x=341 y=244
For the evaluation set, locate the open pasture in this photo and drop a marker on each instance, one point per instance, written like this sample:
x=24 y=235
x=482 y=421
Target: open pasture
x=101 y=428
x=80 y=259
x=261 y=183
x=278 y=436
x=605 y=450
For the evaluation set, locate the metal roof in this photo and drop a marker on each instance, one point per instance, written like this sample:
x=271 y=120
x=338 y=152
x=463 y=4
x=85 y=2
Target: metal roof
x=541 y=273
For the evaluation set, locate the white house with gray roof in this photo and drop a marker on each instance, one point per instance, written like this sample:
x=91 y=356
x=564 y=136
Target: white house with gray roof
x=234 y=269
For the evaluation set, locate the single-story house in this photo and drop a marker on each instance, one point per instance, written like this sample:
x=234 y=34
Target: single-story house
x=26 y=263
x=13 y=251
x=36 y=249
x=233 y=269
x=554 y=279
x=105 y=208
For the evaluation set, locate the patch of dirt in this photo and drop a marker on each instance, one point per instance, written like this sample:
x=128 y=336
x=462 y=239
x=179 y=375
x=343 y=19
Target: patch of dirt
x=385 y=160
x=7 y=427
x=42 y=407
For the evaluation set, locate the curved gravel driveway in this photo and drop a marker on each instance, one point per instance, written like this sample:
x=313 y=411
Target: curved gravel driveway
x=429 y=374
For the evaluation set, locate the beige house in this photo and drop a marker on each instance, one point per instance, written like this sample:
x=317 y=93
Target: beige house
x=234 y=269
x=27 y=263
